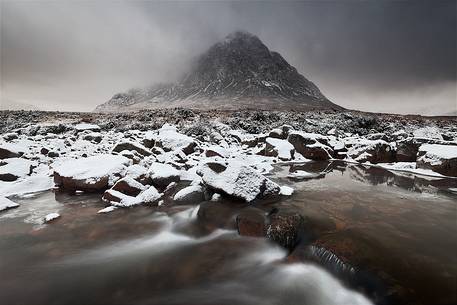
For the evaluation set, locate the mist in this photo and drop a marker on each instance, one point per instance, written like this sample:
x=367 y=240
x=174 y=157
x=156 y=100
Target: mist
x=370 y=55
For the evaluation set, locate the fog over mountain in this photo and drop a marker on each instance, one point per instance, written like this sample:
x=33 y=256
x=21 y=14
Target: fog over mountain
x=373 y=55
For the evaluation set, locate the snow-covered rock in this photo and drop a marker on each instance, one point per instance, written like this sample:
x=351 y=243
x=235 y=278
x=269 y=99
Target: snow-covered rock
x=311 y=145
x=5 y=204
x=51 y=216
x=94 y=173
x=192 y=194
x=279 y=148
x=150 y=195
x=374 y=151
x=107 y=209
x=286 y=190
x=237 y=180
x=439 y=158
x=129 y=186
x=169 y=139
x=131 y=146
x=163 y=174
x=11 y=150
x=15 y=168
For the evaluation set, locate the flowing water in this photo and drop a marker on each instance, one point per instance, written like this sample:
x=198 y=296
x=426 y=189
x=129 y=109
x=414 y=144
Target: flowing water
x=397 y=231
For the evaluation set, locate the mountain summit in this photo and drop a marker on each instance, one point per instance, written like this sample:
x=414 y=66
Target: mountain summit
x=239 y=72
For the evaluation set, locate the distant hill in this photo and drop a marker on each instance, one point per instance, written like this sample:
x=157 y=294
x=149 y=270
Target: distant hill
x=237 y=73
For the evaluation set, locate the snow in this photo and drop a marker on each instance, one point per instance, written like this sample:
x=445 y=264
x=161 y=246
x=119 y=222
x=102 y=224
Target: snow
x=170 y=139
x=51 y=217
x=94 y=168
x=32 y=184
x=286 y=190
x=107 y=209
x=86 y=126
x=15 y=148
x=429 y=132
x=238 y=180
x=160 y=170
x=150 y=195
x=135 y=171
x=125 y=200
x=132 y=183
x=216 y=197
x=283 y=147
x=5 y=204
x=17 y=167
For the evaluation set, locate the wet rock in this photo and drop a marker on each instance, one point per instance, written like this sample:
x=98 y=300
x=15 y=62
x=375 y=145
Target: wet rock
x=44 y=151
x=251 y=222
x=214 y=215
x=131 y=146
x=286 y=229
x=53 y=154
x=237 y=180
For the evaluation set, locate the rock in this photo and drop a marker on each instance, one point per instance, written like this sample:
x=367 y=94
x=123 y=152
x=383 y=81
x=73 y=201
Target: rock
x=374 y=151
x=6 y=204
x=214 y=215
x=251 y=222
x=53 y=154
x=279 y=148
x=10 y=136
x=118 y=199
x=439 y=158
x=94 y=173
x=407 y=150
x=131 y=146
x=169 y=139
x=286 y=229
x=281 y=132
x=128 y=186
x=93 y=137
x=150 y=196
x=310 y=145
x=162 y=174
x=10 y=150
x=44 y=151
x=216 y=151
x=192 y=194
x=237 y=180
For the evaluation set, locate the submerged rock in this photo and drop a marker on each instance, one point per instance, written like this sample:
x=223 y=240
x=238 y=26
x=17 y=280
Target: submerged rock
x=286 y=229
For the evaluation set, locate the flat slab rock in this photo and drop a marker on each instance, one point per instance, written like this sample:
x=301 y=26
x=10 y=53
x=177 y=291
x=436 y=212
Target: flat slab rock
x=94 y=173
x=237 y=180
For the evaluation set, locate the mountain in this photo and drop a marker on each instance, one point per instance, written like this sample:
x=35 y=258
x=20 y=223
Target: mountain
x=239 y=72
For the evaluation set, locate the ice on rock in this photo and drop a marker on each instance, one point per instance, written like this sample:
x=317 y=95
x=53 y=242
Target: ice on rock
x=90 y=174
x=237 y=180
x=5 y=204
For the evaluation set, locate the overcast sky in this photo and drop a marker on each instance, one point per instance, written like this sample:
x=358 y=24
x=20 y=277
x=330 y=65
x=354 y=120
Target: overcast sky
x=389 y=56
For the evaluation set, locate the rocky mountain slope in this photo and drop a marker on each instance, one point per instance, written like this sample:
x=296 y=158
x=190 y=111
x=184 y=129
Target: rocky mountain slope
x=237 y=73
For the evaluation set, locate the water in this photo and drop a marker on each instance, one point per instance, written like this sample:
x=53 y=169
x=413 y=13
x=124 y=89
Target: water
x=395 y=230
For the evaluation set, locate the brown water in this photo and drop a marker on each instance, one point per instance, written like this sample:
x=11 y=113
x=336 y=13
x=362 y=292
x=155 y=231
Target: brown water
x=399 y=231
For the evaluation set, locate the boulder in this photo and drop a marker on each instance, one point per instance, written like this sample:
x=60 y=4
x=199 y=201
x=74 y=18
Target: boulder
x=286 y=229
x=95 y=137
x=131 y=146
x=237 y=180
x=279 y=148
x=439 y=158
x=94 y=173
x=216 y=151
x=162 y=174
x=310 y=145
x=193 y=194
x=281 y=132
x=128 y=186
x=169 y=139
x=251 y=222
x=317 y=151
x=407 y=150
x=374 y=151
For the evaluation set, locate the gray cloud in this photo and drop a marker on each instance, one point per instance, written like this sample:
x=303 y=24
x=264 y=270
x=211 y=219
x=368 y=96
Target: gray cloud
x=370 y=55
